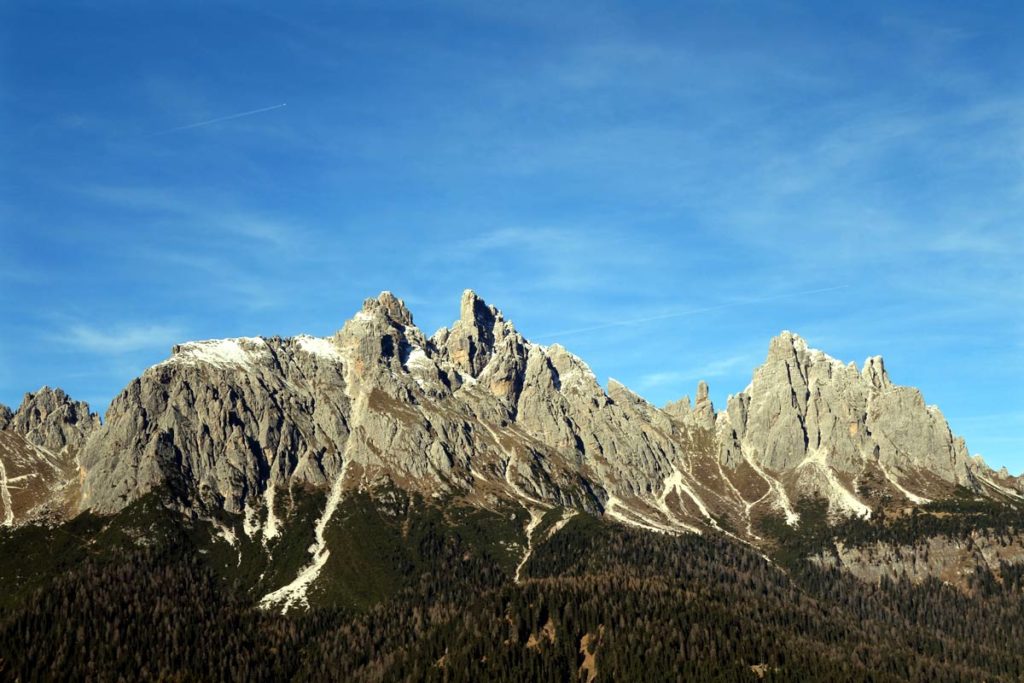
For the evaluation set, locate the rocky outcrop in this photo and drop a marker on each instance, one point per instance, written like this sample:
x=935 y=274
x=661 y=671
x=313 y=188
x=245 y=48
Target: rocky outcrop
x=38 y=447
x=954 y=560
x=51 y=419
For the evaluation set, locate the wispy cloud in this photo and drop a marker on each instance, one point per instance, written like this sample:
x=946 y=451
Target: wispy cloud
x=717 y=368
x=979 y=241
x=200 y=215
x=551 y=259
x=205 y=247
x=631 y=322
x=219 y=119
x=119 y=339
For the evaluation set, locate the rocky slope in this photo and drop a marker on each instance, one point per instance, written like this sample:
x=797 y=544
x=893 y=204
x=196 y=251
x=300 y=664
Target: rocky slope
x=38 y=447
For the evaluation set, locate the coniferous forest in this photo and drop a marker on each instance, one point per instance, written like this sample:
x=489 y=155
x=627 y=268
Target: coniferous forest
x=597 y=601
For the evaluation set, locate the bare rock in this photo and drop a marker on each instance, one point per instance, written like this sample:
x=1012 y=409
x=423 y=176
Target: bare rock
x=39 y=444
x=49 y=418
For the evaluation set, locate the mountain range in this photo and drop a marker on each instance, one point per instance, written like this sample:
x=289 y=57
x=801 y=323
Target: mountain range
x=265 y=446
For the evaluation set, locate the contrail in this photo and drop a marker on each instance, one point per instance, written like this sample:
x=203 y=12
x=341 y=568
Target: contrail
x=680 y=314
x=218 y=120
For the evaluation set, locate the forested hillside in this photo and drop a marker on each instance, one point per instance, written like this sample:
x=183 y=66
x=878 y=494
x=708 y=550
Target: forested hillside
x=596 y=601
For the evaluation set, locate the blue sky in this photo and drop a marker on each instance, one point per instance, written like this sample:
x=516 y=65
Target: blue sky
x=713 y=172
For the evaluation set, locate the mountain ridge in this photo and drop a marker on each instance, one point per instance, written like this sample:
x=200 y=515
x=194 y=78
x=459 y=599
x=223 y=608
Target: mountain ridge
x=806 y=423
x=799 y=400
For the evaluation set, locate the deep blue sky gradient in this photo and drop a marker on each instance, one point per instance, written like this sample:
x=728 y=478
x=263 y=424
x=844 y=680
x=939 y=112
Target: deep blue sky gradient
x=702 y=175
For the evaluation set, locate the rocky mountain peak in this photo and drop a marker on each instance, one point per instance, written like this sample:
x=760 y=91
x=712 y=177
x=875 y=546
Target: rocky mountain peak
x=39 y=444
x=789 y=346
x=474 y=311
x=474 y=338
x=703 y=408
x=875 y=374
x=825 y=424
x=390 y=307
x=621 y=394
x=51 y=419
x=680 y=408
x=785 y=346
x=702 y=391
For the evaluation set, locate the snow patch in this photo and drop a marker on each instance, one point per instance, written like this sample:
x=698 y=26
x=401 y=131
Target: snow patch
x=1002 y=489
x=250 y=520
x=816 y=355
x=294 y=593
x=567 y=514
x=417 y=358
x=837 y=493
x=5 y=497
x=675 y=482
x=270 y=528
x=48 y=456
x=578 y=373
x=617 y=510
x=225 y=533
x=510 y=454
x=239 y=352
x=792 y=518
x=912 y=497
x=535 y=518
x=322 y=347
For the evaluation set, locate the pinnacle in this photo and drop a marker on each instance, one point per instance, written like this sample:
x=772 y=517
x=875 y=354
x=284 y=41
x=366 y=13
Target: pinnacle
x=474 y=311
x=391 y=306
x=875 y=373
x=784 y=345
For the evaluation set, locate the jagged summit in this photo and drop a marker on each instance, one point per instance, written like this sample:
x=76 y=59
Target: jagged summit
x=39 y=443
x=51 y=419
x=389 y=306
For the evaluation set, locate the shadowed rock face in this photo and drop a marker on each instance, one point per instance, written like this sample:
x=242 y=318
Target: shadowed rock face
x=479 y=412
